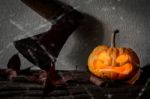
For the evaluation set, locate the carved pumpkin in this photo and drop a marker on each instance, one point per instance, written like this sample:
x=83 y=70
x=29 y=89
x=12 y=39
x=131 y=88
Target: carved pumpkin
x=114 y=63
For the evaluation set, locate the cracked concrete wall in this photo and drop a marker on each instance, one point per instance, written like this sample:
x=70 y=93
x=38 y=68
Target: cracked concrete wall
x=131 y=17
x=102 y=17
x=17 y=21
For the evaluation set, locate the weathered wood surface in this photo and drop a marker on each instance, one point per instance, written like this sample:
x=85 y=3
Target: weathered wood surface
x=79 y=88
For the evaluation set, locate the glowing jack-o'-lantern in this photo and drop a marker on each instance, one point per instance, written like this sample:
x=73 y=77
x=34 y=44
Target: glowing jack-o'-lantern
x=114 y=63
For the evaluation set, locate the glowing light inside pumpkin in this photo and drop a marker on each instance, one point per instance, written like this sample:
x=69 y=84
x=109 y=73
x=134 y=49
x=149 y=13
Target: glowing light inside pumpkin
x=114 y=63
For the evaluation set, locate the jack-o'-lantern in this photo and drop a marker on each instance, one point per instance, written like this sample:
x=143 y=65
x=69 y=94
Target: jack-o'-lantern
x=114 y=63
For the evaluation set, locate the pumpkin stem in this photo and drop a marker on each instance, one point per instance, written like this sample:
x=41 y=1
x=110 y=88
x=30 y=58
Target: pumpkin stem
x=113 y=43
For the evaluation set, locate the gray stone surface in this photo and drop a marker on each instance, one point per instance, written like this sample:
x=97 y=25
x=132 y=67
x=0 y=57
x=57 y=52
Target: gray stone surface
x=17 y=21
x=131 y=17
x=102 y=17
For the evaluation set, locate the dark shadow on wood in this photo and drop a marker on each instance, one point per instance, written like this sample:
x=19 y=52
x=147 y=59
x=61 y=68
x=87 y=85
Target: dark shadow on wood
x=145 y=74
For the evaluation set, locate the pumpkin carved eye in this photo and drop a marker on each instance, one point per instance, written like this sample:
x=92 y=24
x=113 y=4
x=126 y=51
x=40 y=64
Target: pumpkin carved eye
x=122 y=59
x=105 y=58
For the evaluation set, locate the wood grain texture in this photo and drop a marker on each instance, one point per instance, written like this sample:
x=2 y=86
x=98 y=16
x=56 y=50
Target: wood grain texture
x=78 y=88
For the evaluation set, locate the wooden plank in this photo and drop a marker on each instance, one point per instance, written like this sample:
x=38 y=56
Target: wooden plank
x=78 y=88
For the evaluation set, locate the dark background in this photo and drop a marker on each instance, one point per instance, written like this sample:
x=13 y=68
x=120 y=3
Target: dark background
x=102 y=17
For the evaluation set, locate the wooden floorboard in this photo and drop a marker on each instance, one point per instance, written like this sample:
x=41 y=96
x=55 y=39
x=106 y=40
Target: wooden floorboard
x=79 y=88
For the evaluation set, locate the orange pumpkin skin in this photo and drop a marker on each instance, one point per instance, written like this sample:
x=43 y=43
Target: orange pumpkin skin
x=114 y=63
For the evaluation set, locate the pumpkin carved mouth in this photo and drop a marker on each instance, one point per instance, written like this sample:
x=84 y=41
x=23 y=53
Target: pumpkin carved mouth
x=114 y=63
